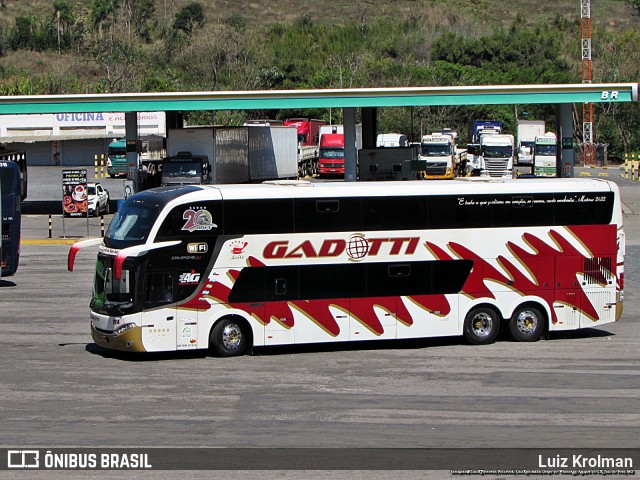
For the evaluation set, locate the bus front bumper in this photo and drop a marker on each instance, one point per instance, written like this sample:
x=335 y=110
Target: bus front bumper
x=128 y=341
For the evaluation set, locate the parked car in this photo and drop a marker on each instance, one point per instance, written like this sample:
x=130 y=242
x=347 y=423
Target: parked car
x=98 y=199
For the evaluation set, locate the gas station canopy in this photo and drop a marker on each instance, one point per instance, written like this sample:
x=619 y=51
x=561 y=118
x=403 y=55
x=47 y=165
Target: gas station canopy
x=322 y=98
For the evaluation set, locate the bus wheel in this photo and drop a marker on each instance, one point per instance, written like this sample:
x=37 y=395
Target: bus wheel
x=526 y=324
x=227 y=338
x=481 y=326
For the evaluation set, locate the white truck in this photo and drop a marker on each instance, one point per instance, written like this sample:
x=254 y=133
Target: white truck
x=391 y=140
x=527 y=131
x=437 y=156
x=496 y=155
x=230 y=155
x=545 y=155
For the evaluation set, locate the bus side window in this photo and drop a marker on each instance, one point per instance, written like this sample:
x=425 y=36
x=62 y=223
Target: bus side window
x=159 y=288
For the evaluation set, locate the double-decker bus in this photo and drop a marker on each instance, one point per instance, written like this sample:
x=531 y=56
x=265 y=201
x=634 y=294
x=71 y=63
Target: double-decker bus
x=10 y=215
x=229 y=267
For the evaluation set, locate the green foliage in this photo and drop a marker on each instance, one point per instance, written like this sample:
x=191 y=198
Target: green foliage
x=149 y=45
x=189 y=18
x=237 y=21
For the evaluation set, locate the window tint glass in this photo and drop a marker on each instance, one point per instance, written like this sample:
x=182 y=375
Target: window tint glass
x=583 y=209
x=332 y=281
x=249 y=286
x=417 y=278
x=327 y=215
x=159 y=288
x=394 y=213
x=459 y=211
x=258 y=216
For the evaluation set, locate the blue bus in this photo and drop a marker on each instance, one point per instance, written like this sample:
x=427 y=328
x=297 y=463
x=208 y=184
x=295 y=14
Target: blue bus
x=10 y=211
x=20 y=158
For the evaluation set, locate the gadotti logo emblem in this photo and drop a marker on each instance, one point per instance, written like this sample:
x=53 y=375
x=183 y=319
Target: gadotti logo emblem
x=197 y=220
x=356 y=247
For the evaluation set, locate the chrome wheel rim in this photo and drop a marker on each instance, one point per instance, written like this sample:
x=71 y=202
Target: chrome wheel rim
x=482 y=324
x=526 y=322
x=232 y=337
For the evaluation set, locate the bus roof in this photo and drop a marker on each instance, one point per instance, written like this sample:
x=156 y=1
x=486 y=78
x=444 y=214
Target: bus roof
x=303 y=189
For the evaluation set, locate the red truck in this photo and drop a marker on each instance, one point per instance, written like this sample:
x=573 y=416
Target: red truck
x=308 y=133
x=331 y=162
x=308 y=129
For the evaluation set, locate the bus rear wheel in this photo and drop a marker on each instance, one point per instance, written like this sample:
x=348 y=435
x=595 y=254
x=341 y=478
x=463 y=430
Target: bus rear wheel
x=481 y=326
x=228 y=338
x=526 y=324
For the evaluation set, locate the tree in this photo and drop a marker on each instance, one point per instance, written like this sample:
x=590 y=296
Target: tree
x=189 y=17
x=63 y=15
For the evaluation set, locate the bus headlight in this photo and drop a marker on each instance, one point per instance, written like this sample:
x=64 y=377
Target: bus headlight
x=124 y=328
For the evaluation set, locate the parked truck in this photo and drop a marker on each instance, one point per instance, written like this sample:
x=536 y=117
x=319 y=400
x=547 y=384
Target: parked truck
x=308 y=130
x=230 y=155
x=527 y=131
x=437 y=156
x=496 y=156
x=479 y=129
x=150 y=151
x=331 y=161
x=392 y=140
x=545 y=155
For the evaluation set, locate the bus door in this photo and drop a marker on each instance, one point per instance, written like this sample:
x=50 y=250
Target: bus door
x=281 y=287
x=160 y=323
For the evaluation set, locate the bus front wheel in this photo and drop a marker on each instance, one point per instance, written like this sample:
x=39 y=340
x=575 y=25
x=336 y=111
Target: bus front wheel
x=481 y=326
x=526 y=324
x=228 y=338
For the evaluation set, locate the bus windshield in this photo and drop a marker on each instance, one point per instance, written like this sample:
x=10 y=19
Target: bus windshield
x=131 y=225
x=110 y=295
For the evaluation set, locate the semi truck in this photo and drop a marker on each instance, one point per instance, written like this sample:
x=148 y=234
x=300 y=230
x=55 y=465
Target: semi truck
x=527 y=131
x=308 y=143
x=496 y=156
x=545 y=155
x=230 y=155
x=437 y=156
x=331 y=156
x=150 y=150
x=477 y=128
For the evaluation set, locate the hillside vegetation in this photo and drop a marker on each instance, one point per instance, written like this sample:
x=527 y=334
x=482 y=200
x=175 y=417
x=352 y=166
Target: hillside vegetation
x=73 y=46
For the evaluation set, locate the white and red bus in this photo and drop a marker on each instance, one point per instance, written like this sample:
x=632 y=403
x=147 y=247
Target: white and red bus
x=229 y=267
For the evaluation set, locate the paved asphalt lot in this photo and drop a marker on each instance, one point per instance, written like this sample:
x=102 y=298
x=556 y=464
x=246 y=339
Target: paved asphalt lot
x=57 y=389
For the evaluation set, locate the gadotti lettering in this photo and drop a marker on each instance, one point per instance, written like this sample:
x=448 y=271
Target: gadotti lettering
x=337 y=247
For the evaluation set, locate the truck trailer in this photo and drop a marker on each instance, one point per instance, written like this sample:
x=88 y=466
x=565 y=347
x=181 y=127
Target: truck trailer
x=308 y=143
x=527 y=131
x=230 y=155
